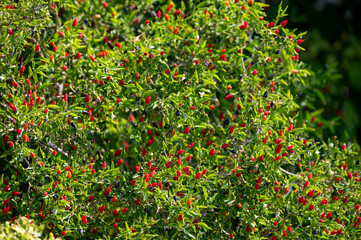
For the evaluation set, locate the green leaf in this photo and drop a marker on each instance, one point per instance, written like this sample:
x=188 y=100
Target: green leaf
x=42 y=74
x=203 y=225
x=189 y=234
x=44 y=85
x=42 y=153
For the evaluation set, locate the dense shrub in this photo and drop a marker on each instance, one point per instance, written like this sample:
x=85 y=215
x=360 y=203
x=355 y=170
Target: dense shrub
x=142 y=119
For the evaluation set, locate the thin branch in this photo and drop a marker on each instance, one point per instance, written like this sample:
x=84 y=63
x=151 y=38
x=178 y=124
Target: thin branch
x=11 y=55
x=243 y=66
x=53 y=146
x=90 y=148
x=289 y=190
x=215 y=118
x=289 y=173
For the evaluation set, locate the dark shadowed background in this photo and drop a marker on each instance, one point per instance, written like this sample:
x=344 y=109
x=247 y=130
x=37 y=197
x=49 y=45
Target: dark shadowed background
x=333 y=39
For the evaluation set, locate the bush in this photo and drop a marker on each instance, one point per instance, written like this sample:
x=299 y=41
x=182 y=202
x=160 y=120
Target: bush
x=145 y=119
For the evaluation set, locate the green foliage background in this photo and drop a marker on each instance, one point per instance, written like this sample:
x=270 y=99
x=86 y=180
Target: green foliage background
x=333 y=39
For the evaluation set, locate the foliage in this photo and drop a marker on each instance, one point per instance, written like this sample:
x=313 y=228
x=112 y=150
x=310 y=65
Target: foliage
x=154 y=119
x=22 y=229
x=328 y=50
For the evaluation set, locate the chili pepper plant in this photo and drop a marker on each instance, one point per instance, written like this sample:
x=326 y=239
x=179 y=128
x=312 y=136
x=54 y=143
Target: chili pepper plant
x=167 y=120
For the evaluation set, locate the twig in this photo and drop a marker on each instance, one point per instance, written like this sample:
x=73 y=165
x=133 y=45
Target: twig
x=289 y=190
x=215 y=118
x=90 y=148
x=277 y=214
x=11 y=55
x=243 y=66
x=50 y=144
x=289 y=173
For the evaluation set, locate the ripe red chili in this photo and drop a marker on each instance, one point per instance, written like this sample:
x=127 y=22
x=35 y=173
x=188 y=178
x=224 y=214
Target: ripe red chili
x=84 y=219
x=198 y=175
x=75 y=22
x=186 y=130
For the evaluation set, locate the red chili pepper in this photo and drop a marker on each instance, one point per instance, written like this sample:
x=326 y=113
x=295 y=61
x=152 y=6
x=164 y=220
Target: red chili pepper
x=75 y=22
